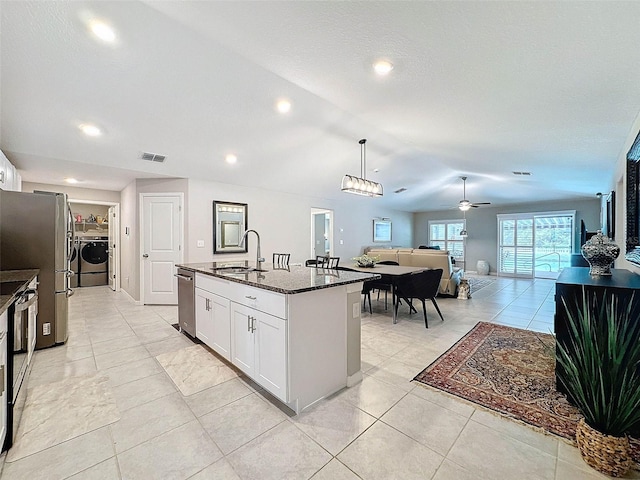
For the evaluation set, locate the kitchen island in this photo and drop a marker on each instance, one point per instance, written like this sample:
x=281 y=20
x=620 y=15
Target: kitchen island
x=295 y=330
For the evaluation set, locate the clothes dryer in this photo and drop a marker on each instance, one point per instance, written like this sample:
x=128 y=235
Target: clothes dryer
x=94 y=261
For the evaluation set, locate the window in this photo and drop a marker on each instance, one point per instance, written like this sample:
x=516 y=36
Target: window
x=446 y=235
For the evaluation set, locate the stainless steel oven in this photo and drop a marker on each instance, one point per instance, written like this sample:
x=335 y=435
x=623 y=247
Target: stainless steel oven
x=21 y=336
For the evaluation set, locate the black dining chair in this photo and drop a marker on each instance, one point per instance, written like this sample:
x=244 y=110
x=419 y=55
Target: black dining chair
x=281 y=259
x=366 y=292
x=422 y=286
x=382 y=286
x=327 y=262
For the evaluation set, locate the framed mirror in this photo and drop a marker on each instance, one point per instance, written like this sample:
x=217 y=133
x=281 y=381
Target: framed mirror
x=229 y=223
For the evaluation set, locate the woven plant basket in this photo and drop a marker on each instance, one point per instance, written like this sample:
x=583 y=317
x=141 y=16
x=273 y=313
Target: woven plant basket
x=607 y=454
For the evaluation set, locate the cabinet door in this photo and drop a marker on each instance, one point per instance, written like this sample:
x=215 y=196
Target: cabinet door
x=242 y=339
x=10 y=177
x=204 y=330
x=220 y=325
x=213 y=323
x=4 y=163
x=271 y=354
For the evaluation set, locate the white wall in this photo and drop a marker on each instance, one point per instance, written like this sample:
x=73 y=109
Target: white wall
x=284 y=222
x=128 y=240
x=482 y=225
x=619 y=184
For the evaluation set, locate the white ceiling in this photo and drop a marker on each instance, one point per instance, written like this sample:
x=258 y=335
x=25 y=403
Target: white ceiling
x=479 y=89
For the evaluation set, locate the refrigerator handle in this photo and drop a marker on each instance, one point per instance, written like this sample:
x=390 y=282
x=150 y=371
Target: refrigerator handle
x=69 y=292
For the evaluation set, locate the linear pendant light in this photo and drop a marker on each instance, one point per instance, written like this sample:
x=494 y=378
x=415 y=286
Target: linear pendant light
x=360 y=185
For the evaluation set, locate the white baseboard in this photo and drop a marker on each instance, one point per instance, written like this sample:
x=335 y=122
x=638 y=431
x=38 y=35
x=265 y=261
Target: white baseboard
x=137 y=302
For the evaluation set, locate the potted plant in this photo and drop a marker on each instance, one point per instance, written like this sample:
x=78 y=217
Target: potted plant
x=600 y=370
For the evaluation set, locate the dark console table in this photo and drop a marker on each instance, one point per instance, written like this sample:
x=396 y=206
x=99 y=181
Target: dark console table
x=622 y=284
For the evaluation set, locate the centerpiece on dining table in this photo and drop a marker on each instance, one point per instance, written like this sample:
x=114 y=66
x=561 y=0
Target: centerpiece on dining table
x=366 y=261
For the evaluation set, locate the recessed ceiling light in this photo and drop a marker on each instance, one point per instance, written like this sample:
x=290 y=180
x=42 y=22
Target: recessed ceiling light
x=90 y=130
x=102 y=31
x=283 y=105
x=231 y=158
x=383 y=67
x=71 y=180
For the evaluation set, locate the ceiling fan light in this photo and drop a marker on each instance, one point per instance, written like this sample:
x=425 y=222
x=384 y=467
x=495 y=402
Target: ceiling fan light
x=464 y=206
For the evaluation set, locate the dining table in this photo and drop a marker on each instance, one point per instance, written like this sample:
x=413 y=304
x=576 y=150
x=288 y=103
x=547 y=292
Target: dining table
x=389 y=273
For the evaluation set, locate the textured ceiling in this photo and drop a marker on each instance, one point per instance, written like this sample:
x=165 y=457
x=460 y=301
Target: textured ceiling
x=479 y=89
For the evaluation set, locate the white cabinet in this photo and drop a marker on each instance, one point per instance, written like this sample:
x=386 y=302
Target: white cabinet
x=4 y=164
x=259 y=346
x=212 y=321
x=10 y=179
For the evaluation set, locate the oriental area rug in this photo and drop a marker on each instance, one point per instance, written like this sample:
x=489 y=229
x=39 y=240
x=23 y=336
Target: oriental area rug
x=510 y=371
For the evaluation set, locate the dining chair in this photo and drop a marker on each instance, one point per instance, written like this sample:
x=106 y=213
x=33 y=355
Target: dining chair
x=327 y=262
x=422 y=286
x=380 y=285
x=281 y=259
x=366 y=292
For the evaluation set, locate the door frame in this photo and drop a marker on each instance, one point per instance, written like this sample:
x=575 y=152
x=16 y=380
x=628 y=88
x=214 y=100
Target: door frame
x=141 y=197
x=116 y=226
x=318 y=211
x=532 y=216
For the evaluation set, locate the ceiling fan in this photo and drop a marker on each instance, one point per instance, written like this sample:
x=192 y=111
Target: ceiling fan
x=465 y=204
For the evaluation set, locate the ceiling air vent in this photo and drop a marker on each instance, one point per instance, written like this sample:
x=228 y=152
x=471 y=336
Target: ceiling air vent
x=400 y=190
x=152 y=157
x=526 y=174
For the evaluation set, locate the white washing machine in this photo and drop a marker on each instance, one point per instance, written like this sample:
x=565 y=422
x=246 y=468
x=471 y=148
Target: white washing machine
x=94 y=261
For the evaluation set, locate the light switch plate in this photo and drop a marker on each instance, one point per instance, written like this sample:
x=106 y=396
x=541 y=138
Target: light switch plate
x=200 y=243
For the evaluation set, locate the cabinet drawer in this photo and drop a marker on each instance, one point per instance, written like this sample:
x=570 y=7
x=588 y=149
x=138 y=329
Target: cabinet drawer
x=213 y=285
x=264 y=300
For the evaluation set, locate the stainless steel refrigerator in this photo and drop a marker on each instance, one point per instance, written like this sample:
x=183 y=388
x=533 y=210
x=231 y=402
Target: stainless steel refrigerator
x=36 y=231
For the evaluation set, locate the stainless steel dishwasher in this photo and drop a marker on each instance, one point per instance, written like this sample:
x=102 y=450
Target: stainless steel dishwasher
x=187 y=301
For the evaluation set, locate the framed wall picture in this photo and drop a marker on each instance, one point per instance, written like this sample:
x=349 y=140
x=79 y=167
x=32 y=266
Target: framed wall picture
x=382 y=230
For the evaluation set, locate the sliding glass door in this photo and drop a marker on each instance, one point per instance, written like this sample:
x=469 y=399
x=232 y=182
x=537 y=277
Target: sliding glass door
x=515 y=250
x=535 y=244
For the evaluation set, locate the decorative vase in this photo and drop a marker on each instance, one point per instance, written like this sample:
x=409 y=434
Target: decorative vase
x=607 y=454
x=600 y=252
x=482 y=267
x=464 y=289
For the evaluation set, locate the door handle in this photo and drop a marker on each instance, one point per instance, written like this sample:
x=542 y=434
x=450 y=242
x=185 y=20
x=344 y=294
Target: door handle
x=207 y=304
x=146 y=255
x=253 y=324
x=248 y=323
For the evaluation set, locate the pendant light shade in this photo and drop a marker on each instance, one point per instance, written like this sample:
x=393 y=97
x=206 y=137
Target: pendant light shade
x=360 y=185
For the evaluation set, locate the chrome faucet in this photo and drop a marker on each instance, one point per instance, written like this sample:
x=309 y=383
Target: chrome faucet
x=259 y=259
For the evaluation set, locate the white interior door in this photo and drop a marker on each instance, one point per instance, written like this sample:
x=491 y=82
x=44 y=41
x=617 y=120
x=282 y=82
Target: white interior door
x=161 y=246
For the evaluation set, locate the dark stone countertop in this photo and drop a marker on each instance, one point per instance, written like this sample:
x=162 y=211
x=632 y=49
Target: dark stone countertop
x=13 y=282
x=289 y=280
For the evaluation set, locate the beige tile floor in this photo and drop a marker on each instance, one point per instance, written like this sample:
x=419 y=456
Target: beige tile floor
x=384 y=428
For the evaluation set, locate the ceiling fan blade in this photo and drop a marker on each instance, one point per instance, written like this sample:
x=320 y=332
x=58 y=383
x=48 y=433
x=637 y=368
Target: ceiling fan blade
x=482 y=203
